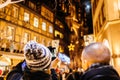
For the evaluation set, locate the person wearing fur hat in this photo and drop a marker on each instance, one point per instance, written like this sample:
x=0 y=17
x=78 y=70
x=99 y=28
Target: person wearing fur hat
x=95 y=61
x=38 y=64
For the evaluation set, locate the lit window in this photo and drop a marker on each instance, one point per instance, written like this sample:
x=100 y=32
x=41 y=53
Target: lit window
x=44 y=26
x=26 y=38
x=26 y=17
x=88 y=39
x=10 y=32
x=35 y=38
x=3 y=10
x=50 y=29
x=15 y=12
x=43 y=41
x=35 y=22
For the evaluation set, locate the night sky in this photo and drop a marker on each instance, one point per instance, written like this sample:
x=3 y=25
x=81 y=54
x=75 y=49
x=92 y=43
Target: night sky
x=87 y=7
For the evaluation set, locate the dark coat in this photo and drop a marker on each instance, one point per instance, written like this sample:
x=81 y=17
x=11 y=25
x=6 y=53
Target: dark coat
x=18 y=73
x=73 y=76
x=100 y=72
x=39 y=75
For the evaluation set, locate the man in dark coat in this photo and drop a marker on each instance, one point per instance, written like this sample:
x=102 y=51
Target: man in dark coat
x=38 y=64
x=95 y=61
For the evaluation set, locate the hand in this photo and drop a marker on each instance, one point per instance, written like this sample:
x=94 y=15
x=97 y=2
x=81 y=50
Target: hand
x=54 y=63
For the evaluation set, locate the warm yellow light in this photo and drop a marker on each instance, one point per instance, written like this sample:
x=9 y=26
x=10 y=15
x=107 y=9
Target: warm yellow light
x=119 y=4
x=71 y=47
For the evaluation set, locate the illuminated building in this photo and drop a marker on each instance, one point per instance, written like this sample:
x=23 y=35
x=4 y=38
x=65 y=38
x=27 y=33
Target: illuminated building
x=26 y=21
x=106 y=24
x=20 y=23
x=43 y=21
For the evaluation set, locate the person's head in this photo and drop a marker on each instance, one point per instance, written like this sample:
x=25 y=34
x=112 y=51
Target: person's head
x=95 y=53
x=37 y=56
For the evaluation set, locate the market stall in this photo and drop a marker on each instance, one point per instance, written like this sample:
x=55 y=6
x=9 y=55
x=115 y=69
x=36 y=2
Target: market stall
x=4 y=66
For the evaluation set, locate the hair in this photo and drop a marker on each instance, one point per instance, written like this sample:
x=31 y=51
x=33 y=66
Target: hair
x=96 y=53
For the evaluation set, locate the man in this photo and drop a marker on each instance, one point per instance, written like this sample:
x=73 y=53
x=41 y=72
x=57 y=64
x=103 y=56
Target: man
x=95 y=61
x=37 y=65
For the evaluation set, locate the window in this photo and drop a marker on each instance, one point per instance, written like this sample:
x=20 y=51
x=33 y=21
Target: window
x=47 y=13
x=26 y=17
x=88 y=39
x=10 y=33
x=50 y=29
x=43 y=41
x=3 y=9
x=35 y=38
x=44 y=26
x=25 y=38
x=57 y=22
x=15 y=12
x=32 y=5
x=36 y=22
x=17 y=38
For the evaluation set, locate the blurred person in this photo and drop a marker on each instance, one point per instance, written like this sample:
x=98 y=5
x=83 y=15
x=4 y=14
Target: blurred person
x=73 y=75
x=95 y=61
x=38 y=64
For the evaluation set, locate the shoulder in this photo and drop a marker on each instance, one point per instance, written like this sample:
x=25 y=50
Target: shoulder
x=101 y=70
x=16 y=73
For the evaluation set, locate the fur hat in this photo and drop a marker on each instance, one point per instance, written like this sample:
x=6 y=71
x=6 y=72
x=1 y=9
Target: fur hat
x=37 y=56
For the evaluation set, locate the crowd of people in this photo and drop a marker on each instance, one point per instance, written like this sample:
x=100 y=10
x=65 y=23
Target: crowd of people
x=39 y=65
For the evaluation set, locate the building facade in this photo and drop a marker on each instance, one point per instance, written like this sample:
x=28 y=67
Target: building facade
x=26 y=21
x=106 y=25
x=62 y=20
